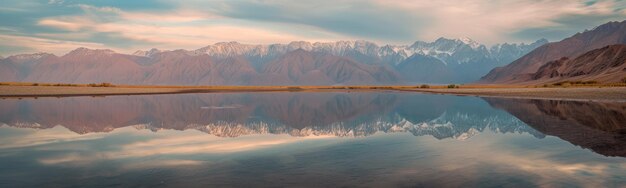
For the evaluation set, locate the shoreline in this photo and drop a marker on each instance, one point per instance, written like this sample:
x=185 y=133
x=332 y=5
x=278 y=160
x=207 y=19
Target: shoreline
x=605 y=94
x=571 y=93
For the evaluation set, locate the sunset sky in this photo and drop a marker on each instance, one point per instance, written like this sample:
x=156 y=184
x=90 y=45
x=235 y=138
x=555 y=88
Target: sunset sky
x=59 y=26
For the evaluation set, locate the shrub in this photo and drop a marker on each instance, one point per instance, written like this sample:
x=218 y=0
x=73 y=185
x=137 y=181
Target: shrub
x=35 y=84
x=294 y=88
x=453 y=86
x=424 y=86
x=561 y=83
x=590 y=82
x=106 y=84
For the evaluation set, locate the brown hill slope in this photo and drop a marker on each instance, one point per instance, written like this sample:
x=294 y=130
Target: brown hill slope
x=179 y=67
x=17 y=67
x=309 y=68
x=606 y=64
x=520 y=70
x=88 y=66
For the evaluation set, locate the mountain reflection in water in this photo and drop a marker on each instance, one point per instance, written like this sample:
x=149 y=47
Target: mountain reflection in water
x=296 y=114
x=311 y=139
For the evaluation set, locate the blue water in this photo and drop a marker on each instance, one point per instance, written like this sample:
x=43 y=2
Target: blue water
x=310 y=140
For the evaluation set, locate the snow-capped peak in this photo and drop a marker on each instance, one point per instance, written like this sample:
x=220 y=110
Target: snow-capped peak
x=30 y=56
x=467 y=135
x=453 y=51
x=148 y=53
x=469 y=42
x=87 y=51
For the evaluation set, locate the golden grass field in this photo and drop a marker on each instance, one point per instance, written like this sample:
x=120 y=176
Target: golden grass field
x=577 y=92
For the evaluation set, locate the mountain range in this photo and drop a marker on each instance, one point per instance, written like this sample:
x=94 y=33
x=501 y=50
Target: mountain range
x=297 y=63
x=593 y=55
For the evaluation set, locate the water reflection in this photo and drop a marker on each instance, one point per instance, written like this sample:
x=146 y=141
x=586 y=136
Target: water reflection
x=310 y=139
x=598 y=126
x=296 y=114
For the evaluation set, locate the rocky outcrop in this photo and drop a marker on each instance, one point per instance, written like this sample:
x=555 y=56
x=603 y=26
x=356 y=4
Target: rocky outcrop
x=606 y=64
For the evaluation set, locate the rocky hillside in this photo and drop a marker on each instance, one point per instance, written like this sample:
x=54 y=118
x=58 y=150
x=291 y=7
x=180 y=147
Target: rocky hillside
x=606 y=64
x=523 y=69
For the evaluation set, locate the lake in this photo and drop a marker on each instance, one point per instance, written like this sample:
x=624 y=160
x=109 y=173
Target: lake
x=311 y=139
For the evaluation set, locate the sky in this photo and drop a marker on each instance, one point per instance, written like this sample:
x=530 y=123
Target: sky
x=58 y=26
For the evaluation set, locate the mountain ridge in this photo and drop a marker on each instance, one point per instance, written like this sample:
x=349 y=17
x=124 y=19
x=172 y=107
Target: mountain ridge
x=460 y=60
x=519 y=70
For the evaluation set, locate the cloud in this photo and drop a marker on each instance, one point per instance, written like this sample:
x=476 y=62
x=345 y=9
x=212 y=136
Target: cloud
x=132 y=25
x=67 y=25
x=37 y=44
x=360 y=19
x=22 y=138
x=144 y=144
x=495 y=22
x=567 y=26
x=177 y=29
x=499 y=158
x=56 y=2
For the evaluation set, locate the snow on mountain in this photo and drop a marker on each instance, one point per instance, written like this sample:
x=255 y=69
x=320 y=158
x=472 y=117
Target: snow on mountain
x=148 y=53
x=510 y=52
x=29 y=57
x=470 y=42
x=441 y=48
x=447 y=126
x=90 y=52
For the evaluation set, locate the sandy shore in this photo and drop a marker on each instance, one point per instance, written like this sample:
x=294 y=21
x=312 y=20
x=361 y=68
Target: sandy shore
x=605 y=93
x=43 y=91
x=64 y=91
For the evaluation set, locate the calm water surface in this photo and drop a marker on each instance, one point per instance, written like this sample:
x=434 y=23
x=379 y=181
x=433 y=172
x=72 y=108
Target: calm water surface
x=310 y=140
